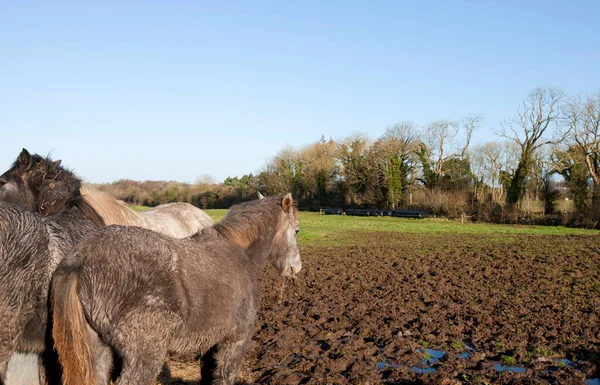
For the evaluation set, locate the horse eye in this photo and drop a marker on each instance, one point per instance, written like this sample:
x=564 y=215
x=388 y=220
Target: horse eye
x=2 y=182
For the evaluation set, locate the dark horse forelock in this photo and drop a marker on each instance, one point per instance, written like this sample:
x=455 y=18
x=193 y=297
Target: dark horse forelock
x=247 y=222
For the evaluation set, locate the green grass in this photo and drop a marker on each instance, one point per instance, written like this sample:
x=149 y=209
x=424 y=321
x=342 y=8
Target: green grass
x=510 y=360
x=315 y=228
x=139 y=208
x=216 y=214
x=338 y=229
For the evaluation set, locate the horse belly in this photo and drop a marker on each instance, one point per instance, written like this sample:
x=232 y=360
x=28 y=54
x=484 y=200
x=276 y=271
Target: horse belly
x=186 y=342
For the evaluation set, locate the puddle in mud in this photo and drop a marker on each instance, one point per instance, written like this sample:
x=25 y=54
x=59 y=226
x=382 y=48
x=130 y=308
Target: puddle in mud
x=565 y=362
x=381 y=365
x=437 y=355
x=468 y=353
x=434 y=355
x=418 y=370
x=415 y=369
x=514 y=369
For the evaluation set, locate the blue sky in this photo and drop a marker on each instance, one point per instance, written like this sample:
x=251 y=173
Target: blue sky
x=175 y=90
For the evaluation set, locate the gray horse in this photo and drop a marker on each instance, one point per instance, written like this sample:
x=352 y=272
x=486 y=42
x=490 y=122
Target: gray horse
x=31 y=246
x=139 y=294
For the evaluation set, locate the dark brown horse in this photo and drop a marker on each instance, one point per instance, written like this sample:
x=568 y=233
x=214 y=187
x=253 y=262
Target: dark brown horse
x=140 y=294
x=39 y=184
x=31 y=246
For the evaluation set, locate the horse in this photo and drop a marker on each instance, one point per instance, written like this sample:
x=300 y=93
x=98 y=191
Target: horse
x=40 y=184
x=22 y=181
x=31 y=246
x=141 y=295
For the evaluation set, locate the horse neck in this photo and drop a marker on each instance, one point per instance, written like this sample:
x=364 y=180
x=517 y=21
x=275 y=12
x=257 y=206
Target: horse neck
x=73 y=216
x=255 y=237
x=109 y=209
x=71 y=225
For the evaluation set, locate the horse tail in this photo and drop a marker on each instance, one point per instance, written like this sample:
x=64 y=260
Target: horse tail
x=70 y=331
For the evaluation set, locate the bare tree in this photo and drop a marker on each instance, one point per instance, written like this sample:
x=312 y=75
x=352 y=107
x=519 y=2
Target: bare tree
x=584 y=138
x=439 y=137
x=443 y=146
x=205 y=179
x=470 y=123
x=540 y=111
x=488 y=163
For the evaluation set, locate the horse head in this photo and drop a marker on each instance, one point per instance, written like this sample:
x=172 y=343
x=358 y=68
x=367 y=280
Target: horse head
x=38 y=184
x=285 y=255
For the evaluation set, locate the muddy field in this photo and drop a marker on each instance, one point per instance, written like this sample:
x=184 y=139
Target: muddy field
x=436 y=309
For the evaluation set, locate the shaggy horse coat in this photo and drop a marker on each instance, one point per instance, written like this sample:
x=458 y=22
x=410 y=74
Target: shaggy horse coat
x=141 y=295
x=41 y=185
x=31 y=246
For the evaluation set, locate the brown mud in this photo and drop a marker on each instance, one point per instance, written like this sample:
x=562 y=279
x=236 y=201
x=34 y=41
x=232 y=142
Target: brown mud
x=375 y=312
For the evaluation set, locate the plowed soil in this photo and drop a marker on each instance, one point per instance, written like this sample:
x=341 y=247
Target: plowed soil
x=369 y=313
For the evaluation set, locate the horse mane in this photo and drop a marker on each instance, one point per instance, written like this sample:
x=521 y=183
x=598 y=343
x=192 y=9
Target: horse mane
x=90 y=212
x=109 y=209
x=248 y=221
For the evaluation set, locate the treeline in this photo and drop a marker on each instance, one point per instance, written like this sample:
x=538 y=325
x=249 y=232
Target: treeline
x=548 y=153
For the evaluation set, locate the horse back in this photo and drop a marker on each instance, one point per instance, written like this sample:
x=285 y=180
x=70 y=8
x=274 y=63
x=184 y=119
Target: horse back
x=141 y=263
x=178 y=219
x=206 y=285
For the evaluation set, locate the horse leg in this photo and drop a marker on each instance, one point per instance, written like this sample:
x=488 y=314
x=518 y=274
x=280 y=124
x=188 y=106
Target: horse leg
x=141 y=366
x=5 y=354
x=8 y=338
x=16 y=367
x=103 y=357
x=43 y=378
x=49 y=367
x=143 y=343
x=208 y=365
x=228 y=357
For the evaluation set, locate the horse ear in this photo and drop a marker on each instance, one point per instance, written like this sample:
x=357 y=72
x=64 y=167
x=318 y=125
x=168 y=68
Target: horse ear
x=24 y=159
x=56 y=163
x=260 y=196
x=288 y=203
